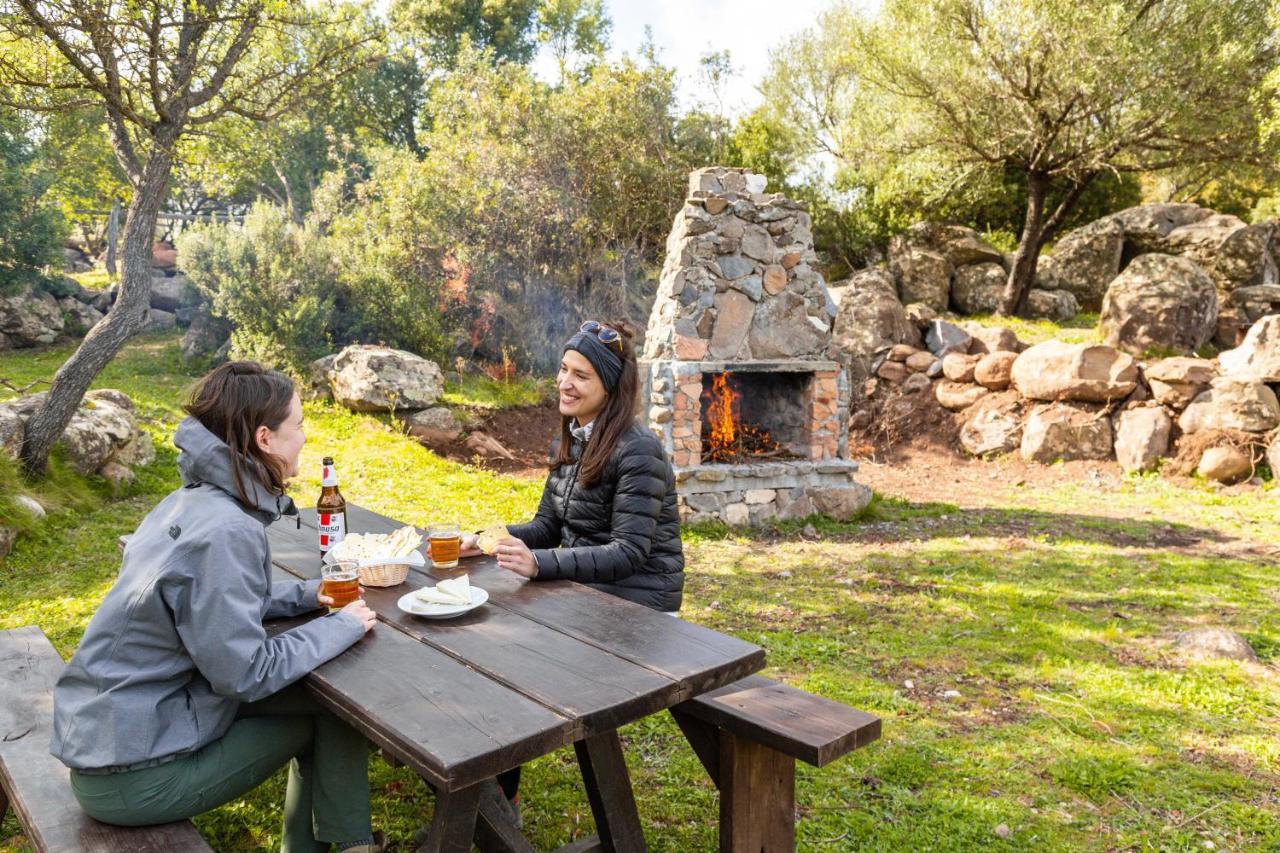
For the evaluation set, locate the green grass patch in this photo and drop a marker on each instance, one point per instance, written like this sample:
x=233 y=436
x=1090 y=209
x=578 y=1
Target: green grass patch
x=93 y=279
x=1082 y=328
x=483 y=392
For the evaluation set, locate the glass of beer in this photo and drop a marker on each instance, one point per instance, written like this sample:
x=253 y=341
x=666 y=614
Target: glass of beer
x=444 y=541
x=340 y=580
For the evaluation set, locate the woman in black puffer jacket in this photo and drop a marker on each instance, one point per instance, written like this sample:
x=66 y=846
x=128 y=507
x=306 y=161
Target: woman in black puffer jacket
x=608 y=514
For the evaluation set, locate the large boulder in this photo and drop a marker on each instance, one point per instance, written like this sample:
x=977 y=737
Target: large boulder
x=102 y=426
x=368 y=378
x=205 y=336
x=943 y=337
x=1176 y=381
x=1056 y=305
x=995 y=370
x=869 y=318
x=80 y=314
x=991 y=339
x=1233 y=253
x=841 y=503
x=1258 y=357
x=1054 y=370
x=1232 y=404
x=992 y=425
x=437 y=425
x=961 y=246
x=1225 y=464
x=1160 y=302
x=1214 y=643
x=1066 y=431
x=922 y=276
x=169 y=293
x=1147 y=225
x=1084 y=262
x=11 y=430
x=30 y=319
x=957 y=396
x=977 y=288
x=1273 y=457
x=161 y=321
x=1142 y=437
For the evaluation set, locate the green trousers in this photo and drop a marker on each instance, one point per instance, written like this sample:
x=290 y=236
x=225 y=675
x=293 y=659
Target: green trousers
x=328 y=794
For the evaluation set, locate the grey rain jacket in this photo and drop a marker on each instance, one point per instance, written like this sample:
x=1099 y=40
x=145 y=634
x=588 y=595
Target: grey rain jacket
x=178 y=642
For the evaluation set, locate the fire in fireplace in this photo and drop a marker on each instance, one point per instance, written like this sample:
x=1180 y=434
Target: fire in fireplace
x=754 y=416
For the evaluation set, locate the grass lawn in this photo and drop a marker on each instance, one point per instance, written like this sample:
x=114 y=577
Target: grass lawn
x=1019 y=654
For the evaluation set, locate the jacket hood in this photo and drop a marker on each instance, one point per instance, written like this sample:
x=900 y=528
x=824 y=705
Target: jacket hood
x=205 y=458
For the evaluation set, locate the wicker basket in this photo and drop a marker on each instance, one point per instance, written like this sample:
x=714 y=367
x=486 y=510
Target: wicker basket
x=384 y=574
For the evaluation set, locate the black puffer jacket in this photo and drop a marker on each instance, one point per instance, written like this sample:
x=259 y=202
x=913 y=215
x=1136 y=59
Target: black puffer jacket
x=622 y=535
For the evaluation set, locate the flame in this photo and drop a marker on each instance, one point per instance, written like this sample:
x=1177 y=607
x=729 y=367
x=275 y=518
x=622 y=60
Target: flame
x=721 y=414
x=726 y=438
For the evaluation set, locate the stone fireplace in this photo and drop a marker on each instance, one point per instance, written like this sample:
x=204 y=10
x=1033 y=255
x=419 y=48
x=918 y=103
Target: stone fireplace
x=739 y=376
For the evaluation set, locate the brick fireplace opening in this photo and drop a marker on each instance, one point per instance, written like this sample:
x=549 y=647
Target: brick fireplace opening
x=739 y=377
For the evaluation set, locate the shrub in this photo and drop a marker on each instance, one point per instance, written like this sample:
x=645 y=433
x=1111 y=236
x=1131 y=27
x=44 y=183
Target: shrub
x=272 y=279
x=31 y=229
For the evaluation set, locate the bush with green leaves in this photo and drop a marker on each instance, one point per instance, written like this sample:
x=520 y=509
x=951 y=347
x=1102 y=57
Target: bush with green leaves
x=31 y=228
x=273 y=279
x=533 y=207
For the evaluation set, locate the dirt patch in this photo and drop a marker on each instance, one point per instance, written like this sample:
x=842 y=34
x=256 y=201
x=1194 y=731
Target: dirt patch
x=1192 y=447
x=526 y=431
x=898 y=422
x=922 y=472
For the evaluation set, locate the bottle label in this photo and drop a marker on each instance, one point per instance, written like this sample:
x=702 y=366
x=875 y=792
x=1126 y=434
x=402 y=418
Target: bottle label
x=333 y=528
x=330 y=476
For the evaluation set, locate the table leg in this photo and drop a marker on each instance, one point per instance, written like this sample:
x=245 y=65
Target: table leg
x=454 y=823
x=604 y=772
x=496 y=830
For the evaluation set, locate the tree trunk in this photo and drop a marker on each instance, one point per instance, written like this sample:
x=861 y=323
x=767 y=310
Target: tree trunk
x=1023 y=271
x=127 y=317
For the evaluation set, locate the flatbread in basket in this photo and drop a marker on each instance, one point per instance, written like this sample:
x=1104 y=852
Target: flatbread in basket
x=383 y=559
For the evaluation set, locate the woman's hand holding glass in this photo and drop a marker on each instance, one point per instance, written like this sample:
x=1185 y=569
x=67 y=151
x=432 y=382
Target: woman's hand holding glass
x=360 y=610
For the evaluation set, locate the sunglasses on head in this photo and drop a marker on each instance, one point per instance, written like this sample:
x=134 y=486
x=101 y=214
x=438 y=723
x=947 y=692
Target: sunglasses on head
x=606 y=336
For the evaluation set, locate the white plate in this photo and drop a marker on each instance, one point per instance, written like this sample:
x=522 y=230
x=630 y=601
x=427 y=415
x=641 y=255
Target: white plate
x=409 y=603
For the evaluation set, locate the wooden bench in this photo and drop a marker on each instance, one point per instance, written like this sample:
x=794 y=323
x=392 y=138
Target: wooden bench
x=36 y=784
x=748 y=735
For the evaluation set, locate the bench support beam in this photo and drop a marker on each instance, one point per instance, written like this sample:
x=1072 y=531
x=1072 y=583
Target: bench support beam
x=757 y=797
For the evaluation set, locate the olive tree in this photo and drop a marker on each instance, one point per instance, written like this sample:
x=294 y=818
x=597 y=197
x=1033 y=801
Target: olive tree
x=160 y=71
x=1062 y=91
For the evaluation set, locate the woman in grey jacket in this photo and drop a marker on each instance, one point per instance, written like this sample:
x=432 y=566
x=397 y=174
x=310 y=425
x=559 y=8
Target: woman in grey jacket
x=176 y=700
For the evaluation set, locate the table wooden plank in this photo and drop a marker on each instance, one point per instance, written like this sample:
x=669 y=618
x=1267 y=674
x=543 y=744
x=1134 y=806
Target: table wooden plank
x=702 y=659
x=577 y=680
x=448 y=722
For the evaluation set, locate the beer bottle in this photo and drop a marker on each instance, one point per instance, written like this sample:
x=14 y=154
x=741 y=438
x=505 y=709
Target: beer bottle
x=331 y=509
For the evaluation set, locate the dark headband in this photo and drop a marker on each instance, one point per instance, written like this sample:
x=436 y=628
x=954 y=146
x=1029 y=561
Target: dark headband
x=604 y=358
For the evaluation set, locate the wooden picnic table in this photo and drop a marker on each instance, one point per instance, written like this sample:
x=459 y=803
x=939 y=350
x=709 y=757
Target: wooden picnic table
x=542 y=665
